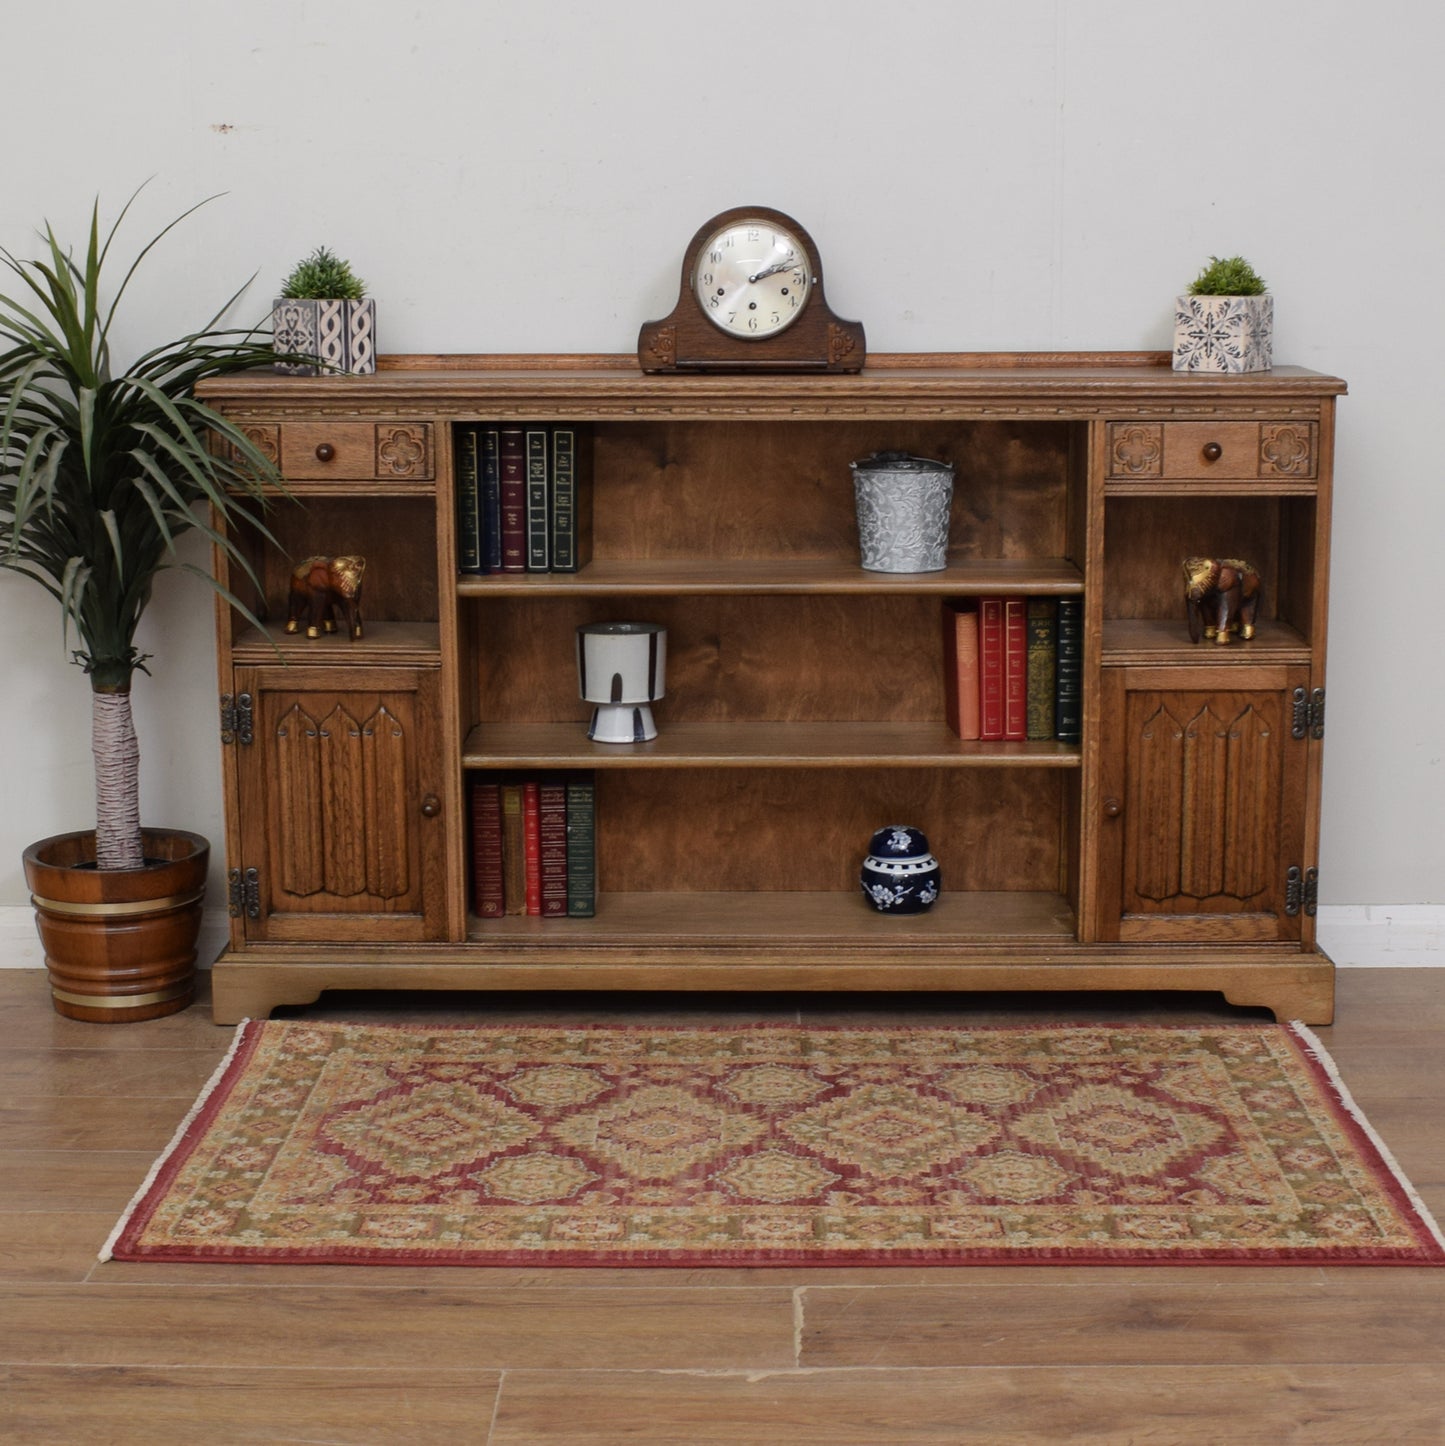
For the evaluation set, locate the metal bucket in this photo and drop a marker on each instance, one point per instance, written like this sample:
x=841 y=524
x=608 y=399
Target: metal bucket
x=903 y=510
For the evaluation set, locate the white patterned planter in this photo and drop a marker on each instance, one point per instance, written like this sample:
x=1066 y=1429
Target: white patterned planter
x=1223 y=333
x=341 y=333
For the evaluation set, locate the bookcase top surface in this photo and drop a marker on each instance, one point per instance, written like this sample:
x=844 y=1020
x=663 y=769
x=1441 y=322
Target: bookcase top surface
x=613 y=383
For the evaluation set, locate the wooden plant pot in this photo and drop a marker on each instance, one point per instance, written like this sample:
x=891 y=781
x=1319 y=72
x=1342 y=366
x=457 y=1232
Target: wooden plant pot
x=120 y=944
x=1224 y=333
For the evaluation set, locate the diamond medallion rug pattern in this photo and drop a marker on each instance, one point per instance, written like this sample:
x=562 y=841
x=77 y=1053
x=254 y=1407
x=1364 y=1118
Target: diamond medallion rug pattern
x=627 y=1145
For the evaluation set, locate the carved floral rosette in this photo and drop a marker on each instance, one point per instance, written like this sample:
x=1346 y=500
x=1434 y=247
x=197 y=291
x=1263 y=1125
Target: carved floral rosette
x=341 y=333
x=1223 y=333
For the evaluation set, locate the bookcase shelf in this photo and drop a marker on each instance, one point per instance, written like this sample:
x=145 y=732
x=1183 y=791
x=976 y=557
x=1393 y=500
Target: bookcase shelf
x=1173 y=847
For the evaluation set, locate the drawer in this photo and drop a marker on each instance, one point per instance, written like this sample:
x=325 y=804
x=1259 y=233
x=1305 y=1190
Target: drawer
x=1205 y=450
x=348 y=451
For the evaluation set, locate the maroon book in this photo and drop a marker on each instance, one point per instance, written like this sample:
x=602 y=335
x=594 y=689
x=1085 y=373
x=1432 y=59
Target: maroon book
x=488 y=892
x=1015 y=669
x=990 y=667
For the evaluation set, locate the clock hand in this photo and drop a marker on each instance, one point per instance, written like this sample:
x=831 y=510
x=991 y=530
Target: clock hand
x=773 y=270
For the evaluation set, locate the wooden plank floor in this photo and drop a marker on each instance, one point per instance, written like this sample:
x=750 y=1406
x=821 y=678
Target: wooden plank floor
x=116 y=1353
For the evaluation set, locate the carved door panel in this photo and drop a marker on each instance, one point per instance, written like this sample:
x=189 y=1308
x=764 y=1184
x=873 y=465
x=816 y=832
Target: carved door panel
x=339 y=804
x=1204 y=806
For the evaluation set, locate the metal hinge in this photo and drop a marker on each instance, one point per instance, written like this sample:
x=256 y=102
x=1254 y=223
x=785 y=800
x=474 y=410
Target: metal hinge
x=1301 y=891
x=237 y=719
x=1309 y=713
x=245 y=893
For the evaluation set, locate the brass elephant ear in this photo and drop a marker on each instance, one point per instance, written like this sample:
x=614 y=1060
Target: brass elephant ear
x=323 y=590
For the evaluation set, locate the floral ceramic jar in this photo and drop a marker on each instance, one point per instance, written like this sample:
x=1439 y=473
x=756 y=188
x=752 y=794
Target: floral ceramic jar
x=899 y=875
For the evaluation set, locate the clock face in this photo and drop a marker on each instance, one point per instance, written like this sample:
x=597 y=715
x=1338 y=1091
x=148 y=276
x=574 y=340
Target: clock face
x=752 y=278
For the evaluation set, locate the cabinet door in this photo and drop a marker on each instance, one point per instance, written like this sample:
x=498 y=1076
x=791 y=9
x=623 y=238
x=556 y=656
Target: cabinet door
x=339 y=805
x=1203 y=800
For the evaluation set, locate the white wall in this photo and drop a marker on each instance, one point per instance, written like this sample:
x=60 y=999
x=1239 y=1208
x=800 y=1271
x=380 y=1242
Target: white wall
x=522 y=175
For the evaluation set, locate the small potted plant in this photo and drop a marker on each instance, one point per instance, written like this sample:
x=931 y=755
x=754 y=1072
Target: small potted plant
x=324 y=317
x=1225 y=321
x=102 y=469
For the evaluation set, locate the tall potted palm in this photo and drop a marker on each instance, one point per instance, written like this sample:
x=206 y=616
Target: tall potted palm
x=102 y=469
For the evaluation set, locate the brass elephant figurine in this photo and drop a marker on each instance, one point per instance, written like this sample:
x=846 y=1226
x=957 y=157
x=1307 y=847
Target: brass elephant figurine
x=323 y=591
x=1222 y=596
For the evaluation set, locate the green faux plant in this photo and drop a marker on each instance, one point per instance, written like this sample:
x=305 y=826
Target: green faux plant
x=1228 y=276
x=323 y=276
x=103 y=469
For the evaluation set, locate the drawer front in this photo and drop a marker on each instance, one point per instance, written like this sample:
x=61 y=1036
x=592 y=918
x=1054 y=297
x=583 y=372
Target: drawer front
x=348 y=451
x=1227 y=450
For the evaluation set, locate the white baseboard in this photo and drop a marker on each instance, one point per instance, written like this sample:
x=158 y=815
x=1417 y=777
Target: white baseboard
x=1355 y=936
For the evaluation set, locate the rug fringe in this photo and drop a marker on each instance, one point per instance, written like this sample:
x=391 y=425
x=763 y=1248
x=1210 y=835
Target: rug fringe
x=106 y=1250
x=1317 y=1052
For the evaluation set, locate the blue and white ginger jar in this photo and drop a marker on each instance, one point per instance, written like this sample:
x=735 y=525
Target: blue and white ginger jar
x=899 y=875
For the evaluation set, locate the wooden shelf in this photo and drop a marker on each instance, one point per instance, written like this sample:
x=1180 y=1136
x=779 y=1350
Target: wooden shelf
x=384 y=642
x=672 y=577
x=786 y=921
x=755 y=745
x=1130 y=642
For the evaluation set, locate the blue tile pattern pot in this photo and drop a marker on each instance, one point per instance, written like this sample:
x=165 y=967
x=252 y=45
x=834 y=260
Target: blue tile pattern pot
x=900 y=875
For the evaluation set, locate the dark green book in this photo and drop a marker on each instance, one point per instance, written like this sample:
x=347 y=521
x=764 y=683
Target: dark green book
x=539 y=509
x=489 y=467
x=469 y=514
x=581 y=846
x=1041 y=654
x=1069 y=679
x=571 y=498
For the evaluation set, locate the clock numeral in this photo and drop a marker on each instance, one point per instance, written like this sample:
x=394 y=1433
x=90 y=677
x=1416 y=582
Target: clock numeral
x=754 y=234
x=707 y=279
x=715 y=257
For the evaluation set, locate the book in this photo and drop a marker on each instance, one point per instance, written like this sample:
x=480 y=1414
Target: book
x=469 y=513
x=1069 y=671
x=552 y=836
x=539 y=502
x=1015 y=670
x=488 y=895
x=960 y=668
x=581 y=846
x=514 y=862
x=532 y=846
x=489 y=490
x=1041 y=651
x=512 y=497
x=571 y=498
x=990 y=667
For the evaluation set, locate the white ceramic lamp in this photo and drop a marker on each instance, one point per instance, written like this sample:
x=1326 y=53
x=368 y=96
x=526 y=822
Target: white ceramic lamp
x=620 y=669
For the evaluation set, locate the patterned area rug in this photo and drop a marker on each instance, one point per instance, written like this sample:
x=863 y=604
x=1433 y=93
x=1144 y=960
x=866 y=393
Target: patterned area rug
x=776 y=1145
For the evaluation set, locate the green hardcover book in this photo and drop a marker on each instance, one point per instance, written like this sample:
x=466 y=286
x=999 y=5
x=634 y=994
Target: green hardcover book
x=539 y=508
x=581 y=846
x=1069 y=679
x=571 y=498
x=1042 y=653
x=469 y=512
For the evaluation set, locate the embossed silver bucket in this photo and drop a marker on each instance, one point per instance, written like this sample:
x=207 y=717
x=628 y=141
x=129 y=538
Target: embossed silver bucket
x=903 y=510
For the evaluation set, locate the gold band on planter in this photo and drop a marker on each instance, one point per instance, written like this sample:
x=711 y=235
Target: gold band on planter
x=145 y=906
x=121 y=1001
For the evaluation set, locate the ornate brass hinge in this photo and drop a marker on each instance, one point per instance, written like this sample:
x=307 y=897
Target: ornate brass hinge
x=237 y=719
x=1309 y=713
x=245 y=890
x=1301 y=891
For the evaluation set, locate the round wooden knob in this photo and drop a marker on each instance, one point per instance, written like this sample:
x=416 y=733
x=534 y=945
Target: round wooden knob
x=431 y=806
x=1213 y=451
x=1112 y=808
x=325 y=451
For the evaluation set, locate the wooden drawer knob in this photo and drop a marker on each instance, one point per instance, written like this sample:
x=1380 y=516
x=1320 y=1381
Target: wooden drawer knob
x=325 y=451
x=1212 y=451
x=431 y=806
x=1112 y=808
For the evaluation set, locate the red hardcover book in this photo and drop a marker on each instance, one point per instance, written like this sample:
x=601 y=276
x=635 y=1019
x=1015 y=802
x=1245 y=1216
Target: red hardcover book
x=990 y=667
x=532 y=845
x=552 y=835
x=488 y=890
x=1015 y=669
x=960 y=667
x=512 y=458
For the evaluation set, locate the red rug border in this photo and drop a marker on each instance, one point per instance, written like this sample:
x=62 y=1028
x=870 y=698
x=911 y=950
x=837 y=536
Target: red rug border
x=1310 y=1051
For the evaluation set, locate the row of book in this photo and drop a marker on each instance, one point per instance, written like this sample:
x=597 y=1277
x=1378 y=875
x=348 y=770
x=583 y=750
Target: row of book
x=534 y=845
x=1013 y=668
x=524 y=497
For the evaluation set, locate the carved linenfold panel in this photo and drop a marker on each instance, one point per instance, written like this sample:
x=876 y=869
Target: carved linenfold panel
x=343 y=804
x=384 y=749
x=1136 y=449
x=1287 y=450
x=1156 y=768
x=298 y=817
x=1201 y=795
x=1252 y=764
x=403 y=451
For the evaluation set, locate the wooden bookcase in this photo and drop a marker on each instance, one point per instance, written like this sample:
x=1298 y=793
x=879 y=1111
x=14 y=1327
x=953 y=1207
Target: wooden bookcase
x=1174 y=848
